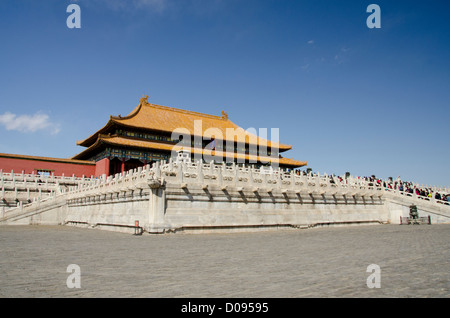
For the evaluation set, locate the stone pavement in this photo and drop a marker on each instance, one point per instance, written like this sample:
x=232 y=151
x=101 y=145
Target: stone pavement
x=321 y=262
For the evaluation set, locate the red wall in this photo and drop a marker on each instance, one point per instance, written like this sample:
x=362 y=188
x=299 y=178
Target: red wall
x=102 y=167
x=57 y=166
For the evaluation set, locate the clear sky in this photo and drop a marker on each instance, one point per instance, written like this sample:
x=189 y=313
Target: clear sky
x=346 y=97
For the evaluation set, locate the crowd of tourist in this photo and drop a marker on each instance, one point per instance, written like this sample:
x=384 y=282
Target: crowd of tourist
x=403 y=186
x=410 y=187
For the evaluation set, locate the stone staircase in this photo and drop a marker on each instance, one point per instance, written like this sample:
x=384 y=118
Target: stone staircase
x=19 y=189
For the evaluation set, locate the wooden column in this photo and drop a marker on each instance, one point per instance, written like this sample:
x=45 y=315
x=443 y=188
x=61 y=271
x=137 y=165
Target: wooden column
x=122 y=166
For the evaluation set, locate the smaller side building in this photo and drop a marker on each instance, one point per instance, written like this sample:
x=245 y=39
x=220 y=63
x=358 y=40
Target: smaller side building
x=47 y=166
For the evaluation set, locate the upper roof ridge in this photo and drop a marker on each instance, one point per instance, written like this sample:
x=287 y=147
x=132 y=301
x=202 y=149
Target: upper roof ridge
x=144 y=103
x=184 y=111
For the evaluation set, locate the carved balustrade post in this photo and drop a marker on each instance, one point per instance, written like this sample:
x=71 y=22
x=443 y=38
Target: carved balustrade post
x=200 y=176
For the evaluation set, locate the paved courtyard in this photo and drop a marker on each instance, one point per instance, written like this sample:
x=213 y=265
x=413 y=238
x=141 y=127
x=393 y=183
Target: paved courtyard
x=321 y=262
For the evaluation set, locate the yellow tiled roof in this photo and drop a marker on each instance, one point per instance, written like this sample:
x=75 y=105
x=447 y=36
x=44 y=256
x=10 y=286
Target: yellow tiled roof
x=27 y=157
x=128 y=142
x=168 y=119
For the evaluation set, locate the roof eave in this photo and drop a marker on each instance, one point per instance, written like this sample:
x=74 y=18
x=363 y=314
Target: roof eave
x=89 y=141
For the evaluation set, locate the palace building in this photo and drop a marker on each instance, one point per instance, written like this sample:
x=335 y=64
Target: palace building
x=152 y=133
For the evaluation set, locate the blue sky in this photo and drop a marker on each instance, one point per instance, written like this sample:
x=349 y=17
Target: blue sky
x=348 y=98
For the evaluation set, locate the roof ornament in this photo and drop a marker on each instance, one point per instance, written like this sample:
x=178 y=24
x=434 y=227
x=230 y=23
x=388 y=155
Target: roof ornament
x=224 y=115
x=144 y=99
